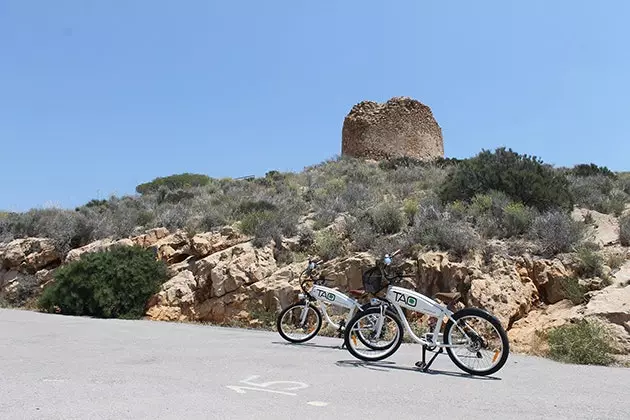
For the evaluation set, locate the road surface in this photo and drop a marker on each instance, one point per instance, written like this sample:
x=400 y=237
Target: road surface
x=57 y=367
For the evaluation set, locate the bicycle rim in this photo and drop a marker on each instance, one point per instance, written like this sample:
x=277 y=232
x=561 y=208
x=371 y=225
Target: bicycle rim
x=297 y=326
x=481 y=347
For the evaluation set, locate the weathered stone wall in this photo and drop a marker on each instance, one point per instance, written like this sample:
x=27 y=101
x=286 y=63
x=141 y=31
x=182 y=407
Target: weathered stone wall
x=401 y=127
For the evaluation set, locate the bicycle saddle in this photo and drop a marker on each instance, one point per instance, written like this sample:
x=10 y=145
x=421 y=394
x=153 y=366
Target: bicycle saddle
x=356 y=292
x=448 y=297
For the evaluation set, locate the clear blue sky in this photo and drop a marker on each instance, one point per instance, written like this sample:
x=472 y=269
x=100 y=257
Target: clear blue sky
x=98 y=96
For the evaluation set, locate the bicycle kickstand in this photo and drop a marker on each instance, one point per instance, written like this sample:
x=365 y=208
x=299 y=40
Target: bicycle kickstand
x=423 y=365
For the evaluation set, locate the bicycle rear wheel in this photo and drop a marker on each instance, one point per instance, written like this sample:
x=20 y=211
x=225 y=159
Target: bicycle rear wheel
x=295 y=325
x=363 y=328
x=484 y=343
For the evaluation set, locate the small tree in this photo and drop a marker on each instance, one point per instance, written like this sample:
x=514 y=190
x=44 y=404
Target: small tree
x=116 y=283
x=172 y=182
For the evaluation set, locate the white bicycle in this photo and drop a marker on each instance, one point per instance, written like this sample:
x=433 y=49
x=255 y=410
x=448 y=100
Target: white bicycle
x=463 y=336
x=302 y=320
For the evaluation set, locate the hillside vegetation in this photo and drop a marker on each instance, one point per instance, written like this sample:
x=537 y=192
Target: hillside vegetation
x=345 y=205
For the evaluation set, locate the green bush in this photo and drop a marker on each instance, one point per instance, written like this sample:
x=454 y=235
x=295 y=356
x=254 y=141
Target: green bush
x=496 y=216
x=555 y=232
x=599 y=193
x=584 y=342
x=410 y=208
x=66 y=228
x=435 y=228
x=589 y=263
x=572 y=290
x=112 y=284
x=517 y=219
x=616 y=260
x=262 y=225
x=624 y=230
x=387 y=219
x=173 y=182
x=328 y=245
x=523 y=178
x=248 y=207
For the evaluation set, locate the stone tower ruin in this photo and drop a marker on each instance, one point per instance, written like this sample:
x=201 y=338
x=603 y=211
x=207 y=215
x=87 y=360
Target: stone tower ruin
x=401 y=127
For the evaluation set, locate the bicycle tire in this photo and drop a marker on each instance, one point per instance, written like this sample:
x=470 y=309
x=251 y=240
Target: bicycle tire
x=495 y=323
x=365 y=307
x=308 y=337
x=393 y=347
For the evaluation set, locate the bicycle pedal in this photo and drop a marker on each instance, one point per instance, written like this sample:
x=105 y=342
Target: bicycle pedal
x=421 y=365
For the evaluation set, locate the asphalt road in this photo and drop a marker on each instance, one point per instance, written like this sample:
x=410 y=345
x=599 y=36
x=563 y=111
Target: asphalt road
x=56 y=367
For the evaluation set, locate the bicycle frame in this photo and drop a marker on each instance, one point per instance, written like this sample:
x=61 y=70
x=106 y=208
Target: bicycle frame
x=399 y=298
x=325 y=295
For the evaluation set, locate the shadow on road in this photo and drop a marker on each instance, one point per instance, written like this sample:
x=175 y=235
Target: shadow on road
x=307 y=345
x=386 y=366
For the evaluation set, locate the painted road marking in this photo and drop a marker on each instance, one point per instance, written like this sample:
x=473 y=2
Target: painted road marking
x=262 y=386
x=317 y=403
x=240 y=390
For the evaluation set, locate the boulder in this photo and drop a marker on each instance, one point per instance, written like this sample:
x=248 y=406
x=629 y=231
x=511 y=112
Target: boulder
x=435 y=273
x=527 y=335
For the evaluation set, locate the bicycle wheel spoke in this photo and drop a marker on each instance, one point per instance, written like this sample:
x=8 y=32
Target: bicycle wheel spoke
x=483 y=345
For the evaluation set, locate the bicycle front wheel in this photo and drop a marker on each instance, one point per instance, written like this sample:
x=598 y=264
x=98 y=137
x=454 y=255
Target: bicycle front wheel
x=299 y=322
x=382 y=334
x=481 y=343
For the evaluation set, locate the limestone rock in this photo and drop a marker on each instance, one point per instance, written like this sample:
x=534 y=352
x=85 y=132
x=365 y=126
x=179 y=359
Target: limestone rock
x=205 y=244
x=437 y=274
x=548 y=276
x=610 y=305
x=226 y=271
x=504 y=293
x=96 y=246
x=17 y=288
x=173 y=248
x=605 y=230
x=400 y=127
x=280 y=289
x=527 y=334
x=347 y=273
x=28 y=255
x=151 y=237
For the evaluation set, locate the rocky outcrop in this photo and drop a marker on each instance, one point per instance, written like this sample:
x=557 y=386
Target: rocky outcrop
x=25 y=267
x=504 y=292
x=603 y=229
x=547 y=275
x=28 y=255
x=610 y=305
x=209 y=289
x=401 y=127
x=146 y=240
